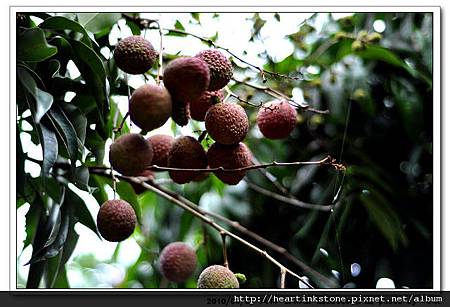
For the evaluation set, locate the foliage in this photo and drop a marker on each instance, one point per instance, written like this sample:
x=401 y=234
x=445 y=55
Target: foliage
x=380 y=126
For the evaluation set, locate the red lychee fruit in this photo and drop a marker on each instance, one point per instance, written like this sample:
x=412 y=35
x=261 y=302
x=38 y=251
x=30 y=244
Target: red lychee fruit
x=186 y=152
x=229 y=157
x=220 y=68
x=177 y=261
x=181 y=113
x=226 y=123
x=130 y=154
x=186 y=78
x=161 y=145
x=135 y=55
x=116 y=220
x=200 y=106
x=276 y=119
x=150 y=107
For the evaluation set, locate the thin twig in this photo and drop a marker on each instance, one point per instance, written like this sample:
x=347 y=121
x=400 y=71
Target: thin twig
x=118 y=129
x=328 y=160
x=224 y=249
x=282 y=279
x=278 y=95
x=288 y=200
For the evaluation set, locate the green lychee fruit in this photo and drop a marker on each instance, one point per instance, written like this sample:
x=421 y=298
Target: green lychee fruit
x=161 y=144
x=186 y=78
x=217 y=277
x=229 y=157
x=148 y=176
x=226 y=123
x=186 y=152
x=181 y=113
x=116 y=220
x=135 y=55
x=220 y=68
x=130 y=154
x=200 y=106
x=276 y=119
x=177 y=261
x=150 y=107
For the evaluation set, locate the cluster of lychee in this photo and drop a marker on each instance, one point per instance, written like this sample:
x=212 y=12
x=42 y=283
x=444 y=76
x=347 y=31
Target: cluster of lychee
x=193 y=89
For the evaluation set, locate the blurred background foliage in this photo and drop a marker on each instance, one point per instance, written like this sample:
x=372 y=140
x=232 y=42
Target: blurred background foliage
x=373 y=71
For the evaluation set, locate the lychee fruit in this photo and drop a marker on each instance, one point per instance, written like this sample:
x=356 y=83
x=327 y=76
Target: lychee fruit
x=135 y=55
x=186 y=152
x=161 y=145
x=200 y=106
x=229 y=157
x=147 y=175
x=276 y=119
x=186 y=78
x=181 y=113
x=226 y=123
x=177 y=261
x=217 y=277
x=220 y=68
x=150 y=107
x=116 y=220
x=130 y=154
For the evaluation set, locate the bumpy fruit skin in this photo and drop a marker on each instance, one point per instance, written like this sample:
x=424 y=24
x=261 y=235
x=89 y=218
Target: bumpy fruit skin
x=226 y=123
x=229 y=157
x=217 y=277
x=177 y=261
x=220 y=68
x=139 y=189
x=116 y=220
x=276 y=119
x=181 y=113
x=186 y=152
x=150 y=107
x=161 y=145
x=130 y=154
x=200 y=106
x=186 y=78
x=134 y=55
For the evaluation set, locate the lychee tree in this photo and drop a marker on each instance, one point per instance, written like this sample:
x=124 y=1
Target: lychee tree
x=222 y=169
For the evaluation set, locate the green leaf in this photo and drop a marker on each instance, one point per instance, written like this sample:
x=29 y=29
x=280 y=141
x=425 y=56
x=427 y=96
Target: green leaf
x=179 y=26
x=373 y=52
x=81 y=211
x=126 y=192
x=385 y=218
x=196 y=16
x=33 y=47
x=49 y=148
x=81 y=178
x=93 y=72
x=63 y=23
x=98 y=23
x=79 y=122
x=66 y=129
x=43 y=99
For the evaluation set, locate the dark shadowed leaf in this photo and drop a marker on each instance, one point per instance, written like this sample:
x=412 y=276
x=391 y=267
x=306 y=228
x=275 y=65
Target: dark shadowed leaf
x=49 y=148
x=81 y=211
x=81 y=178
x=33 y=47
x=63 y=23
x=43 y=99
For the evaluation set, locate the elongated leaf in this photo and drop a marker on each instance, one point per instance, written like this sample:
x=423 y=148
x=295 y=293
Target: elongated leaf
x=78 y=120
x=81 y=178
x=98 y=23
x=81 y=211
x=68 y=132
x=54 y=220
x=49 y=148
x=63 y=23
x=43 y=99
x=93 y=72
x=31 y=221
x=33 y=47
x=127 y=193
